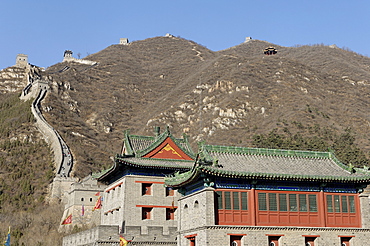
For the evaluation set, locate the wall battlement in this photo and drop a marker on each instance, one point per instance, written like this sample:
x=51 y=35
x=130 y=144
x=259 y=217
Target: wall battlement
x=69 y=58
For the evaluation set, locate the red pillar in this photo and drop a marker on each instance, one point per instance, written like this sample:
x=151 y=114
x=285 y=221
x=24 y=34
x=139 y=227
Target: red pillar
x=322 y=209
x=253 y=206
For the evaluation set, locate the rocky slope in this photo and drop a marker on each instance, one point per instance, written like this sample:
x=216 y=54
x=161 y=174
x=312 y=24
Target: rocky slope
x=223 y=97
x=235 y=96
x=26 y=169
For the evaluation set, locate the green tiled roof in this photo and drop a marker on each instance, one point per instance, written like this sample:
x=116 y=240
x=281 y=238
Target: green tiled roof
x=141 y=145
x=268 y=164
x=138 y=146
x=159 y=163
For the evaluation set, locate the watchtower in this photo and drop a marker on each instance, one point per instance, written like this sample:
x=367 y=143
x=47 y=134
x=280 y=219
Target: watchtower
x=67 y=55
x=21 y=61
x=123 y=41
x=247 y=39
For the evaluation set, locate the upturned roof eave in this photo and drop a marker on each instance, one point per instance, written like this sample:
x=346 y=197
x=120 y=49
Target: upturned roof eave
x=182 y=179
x=108 y=171
x=128 y=162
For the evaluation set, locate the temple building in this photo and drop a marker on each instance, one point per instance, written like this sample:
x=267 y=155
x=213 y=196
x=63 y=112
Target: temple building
x=159 y=192
x=136 y=204
x=248 y=196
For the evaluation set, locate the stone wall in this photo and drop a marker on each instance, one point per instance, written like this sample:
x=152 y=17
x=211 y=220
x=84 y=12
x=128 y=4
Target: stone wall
x=80 y=199
x=365 y=207
x=103 y=233
x=197 y=209
x=289 y=236
x=68 y=58
x=108 y=235
x=47 y=131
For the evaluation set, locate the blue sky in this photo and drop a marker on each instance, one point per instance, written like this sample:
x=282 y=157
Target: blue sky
x=43 y=29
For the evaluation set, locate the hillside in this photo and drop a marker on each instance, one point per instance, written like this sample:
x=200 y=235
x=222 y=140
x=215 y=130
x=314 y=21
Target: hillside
x=26 y=170
x=308 y=97
x=226 y=97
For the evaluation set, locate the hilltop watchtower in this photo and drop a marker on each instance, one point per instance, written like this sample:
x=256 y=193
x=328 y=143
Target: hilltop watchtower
x=123 y=41
x=21 y=61
x=68 y=55
x=247 y=39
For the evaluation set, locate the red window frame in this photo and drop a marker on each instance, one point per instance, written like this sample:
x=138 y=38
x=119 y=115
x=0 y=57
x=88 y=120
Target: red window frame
x=170 y=191
x=233 y=208
x=146 y=213
x=273 y=240
x=342 y=210
x=345 y=240
x=236 y=239
x=309 y=240
x=288 y=208
x=170 y=213
x=146 y=189
x=191 y=239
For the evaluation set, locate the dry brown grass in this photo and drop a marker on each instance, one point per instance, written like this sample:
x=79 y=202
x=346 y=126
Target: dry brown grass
x=150 y=79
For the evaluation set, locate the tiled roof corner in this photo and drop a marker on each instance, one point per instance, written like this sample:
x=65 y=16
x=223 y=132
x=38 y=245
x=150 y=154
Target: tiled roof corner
x=127 y=142
x=100 y=174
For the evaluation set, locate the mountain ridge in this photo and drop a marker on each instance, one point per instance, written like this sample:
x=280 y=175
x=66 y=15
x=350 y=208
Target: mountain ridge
x=173 y=81
x=308 y=97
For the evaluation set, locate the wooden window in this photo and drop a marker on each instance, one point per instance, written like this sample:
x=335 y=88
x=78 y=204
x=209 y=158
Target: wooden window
x=286 y=208
x=146 y=189
x=235 y=200
x=352 y=204
x=232 y=207
x=342 y=204
x=283 y=206
x=170 y=213
x=262 y=202
x=272 y=202
x=312 y=203
x=244 y=197
x=293 y=202
x=336 y=204
x=227 y=200
x=302 y=203
x=329 y=203
x=146 y=213
x=219 y=199
x=170 y=191
x=341 y=210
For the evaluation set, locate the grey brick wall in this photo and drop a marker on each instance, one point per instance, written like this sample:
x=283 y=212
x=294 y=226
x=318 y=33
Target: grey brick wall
x=258 y=236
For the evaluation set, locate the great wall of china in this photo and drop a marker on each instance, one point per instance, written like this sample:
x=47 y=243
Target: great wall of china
x=37 y=89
